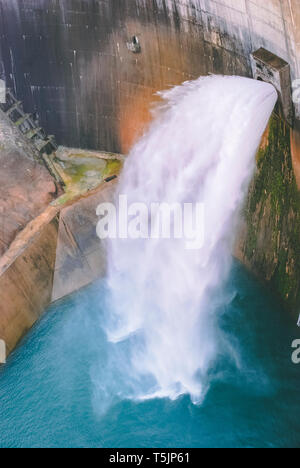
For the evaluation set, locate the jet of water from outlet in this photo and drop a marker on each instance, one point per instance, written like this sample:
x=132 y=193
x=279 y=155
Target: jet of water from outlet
x=200 y=147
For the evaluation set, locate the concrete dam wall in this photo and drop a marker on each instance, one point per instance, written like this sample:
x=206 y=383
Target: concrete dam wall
x=89 y=71
x=70 y=63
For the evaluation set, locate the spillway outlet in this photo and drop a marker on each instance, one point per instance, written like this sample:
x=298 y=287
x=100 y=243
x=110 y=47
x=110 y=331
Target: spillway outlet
x=268 y=67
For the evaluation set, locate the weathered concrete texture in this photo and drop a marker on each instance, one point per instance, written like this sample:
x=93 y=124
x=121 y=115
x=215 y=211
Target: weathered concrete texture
x=270 y=237
x=56 y=254
x=26 y=187
x=80 y=254
x=295 y=149
x=26 y=278
x=68 y=60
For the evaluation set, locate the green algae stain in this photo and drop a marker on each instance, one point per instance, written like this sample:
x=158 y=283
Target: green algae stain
x=272 y=244
x=113 y=167
x=77 y=172
x=83 y=172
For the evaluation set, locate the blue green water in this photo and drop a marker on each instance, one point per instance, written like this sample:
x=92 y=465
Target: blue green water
x=51 y=393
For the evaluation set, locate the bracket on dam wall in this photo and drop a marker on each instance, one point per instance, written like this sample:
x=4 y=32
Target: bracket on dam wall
x=268 y=67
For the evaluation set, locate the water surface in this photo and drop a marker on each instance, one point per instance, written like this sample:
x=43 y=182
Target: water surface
x=52 y=396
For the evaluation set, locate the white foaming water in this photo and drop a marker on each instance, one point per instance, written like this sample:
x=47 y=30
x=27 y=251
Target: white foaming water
x=200 y=148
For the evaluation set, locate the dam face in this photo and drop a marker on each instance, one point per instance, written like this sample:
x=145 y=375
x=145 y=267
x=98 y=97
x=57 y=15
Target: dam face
x=71 y=61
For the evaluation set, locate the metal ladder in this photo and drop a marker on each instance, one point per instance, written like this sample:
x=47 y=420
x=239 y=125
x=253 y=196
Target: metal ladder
x=43 y=143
